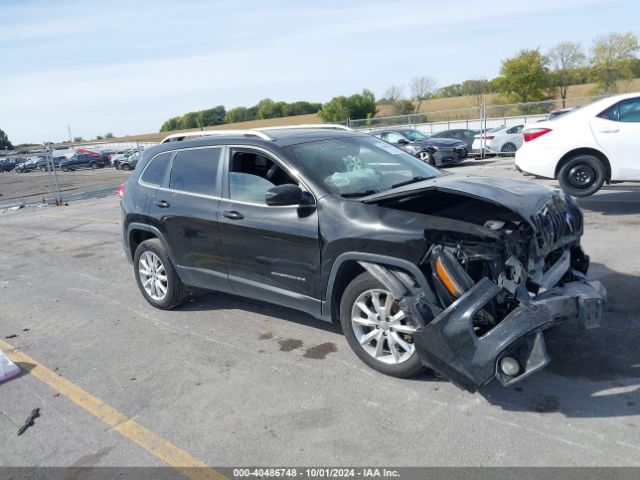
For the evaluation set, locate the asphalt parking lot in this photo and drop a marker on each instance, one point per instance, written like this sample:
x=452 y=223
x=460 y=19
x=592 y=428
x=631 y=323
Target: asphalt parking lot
x=33 y=187
x=231 y=382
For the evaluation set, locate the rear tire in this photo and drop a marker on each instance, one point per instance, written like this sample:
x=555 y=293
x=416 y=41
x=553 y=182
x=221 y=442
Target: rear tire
x=582 y=175
x=126 y=167
x=362 y=335
x=508 y=148
x=64 y=168
x=93 y=165
x=156 y=276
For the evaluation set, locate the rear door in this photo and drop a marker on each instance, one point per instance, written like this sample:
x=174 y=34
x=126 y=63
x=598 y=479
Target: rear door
x=186 y=210
x=617 y=131
x=273 y=253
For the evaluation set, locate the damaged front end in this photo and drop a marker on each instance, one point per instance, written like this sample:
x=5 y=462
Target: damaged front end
x=498 y=282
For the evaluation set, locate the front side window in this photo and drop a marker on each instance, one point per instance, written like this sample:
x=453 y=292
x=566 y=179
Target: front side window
x=251 y=174
x=414 y=135
x=154 y=173
x=358 y=166
x=392 y=137
x=195 y=171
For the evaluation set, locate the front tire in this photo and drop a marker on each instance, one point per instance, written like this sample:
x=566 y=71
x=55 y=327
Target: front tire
x=93 y=165
x=156 y=277
x=377 y=330
x=582 y=175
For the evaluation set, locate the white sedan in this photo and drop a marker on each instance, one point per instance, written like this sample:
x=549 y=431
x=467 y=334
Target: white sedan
x=499 y=140
x=587 y=147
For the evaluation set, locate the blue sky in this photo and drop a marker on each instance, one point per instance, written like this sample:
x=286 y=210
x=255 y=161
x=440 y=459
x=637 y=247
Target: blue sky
x=126 y=66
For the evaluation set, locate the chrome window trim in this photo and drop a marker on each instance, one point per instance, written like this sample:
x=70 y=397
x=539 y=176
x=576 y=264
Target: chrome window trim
x=153 y=185
x=290 y=171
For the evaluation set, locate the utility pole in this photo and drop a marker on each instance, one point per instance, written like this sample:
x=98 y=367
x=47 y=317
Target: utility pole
x=69 y=130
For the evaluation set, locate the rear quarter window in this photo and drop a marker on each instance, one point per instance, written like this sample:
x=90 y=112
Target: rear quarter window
x=195 y=171
x=154 y=173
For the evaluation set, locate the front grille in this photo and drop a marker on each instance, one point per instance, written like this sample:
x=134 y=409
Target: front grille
x=556 y=223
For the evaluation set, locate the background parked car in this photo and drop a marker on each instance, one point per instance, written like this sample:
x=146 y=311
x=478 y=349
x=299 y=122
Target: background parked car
x=27 y=166
x=500 y=140
x=462 y=134
x=435 y=151
x=43 y=165
x=82 y=160
x=585 y=148
x=129 y=162
x=116 y=156
x=558 y=113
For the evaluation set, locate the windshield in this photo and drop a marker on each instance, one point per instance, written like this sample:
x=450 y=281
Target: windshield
x=414 y=135
x=359 y=166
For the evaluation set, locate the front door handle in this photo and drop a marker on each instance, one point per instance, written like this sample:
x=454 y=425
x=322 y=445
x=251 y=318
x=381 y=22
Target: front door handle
x=609 y=130
x=233 y=215
x=162 y=204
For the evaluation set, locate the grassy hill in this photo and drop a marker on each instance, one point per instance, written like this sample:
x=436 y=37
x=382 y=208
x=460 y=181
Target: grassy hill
x=433 y=105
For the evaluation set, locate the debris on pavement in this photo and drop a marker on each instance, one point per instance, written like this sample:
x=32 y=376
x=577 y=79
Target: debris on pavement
x=29 y=422
x=13 y=335
x=8 y=369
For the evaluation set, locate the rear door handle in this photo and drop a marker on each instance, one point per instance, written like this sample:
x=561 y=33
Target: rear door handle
x=609 y=130
x=233 y=215
x=162 y=204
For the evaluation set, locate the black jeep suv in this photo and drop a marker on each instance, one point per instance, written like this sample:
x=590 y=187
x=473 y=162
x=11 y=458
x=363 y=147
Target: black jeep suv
x=465 y=275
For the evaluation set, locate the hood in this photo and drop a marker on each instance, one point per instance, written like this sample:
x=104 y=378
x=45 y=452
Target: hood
x=521 y=196
x=442 y=142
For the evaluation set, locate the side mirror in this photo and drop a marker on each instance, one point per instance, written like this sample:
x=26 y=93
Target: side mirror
x=282 y=195
x=403 y=141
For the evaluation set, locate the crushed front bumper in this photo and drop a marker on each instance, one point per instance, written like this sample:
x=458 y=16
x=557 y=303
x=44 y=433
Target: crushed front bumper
x=449 y=345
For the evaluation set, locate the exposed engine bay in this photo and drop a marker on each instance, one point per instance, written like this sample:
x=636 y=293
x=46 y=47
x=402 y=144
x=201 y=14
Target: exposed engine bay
x=498 y=280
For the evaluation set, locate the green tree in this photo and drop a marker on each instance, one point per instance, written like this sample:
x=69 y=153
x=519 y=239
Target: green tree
x=171 y=124
x=565 y=59
x=212 y=116
x=613 y=58
x=476 y=90
x=358 y=105
x=453 y=90
x=403 y=107
x=108 y=135
x=267 y=108
x=4 y=141
x=524 y=77
x=78 y=139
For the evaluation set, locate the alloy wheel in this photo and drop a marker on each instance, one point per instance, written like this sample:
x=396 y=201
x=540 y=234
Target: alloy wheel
x=153 y=275
x=382 y=328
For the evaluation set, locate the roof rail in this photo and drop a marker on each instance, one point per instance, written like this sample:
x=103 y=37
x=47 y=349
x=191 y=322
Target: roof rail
x=176 y=137
x=328 y=126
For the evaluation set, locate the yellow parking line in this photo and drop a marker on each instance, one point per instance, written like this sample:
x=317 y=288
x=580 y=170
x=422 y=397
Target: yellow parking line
x=86 y=219
x=152 y=443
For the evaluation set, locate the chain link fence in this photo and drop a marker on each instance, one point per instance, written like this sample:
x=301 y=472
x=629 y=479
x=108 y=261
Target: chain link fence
x=55 y=174
x=471 y=118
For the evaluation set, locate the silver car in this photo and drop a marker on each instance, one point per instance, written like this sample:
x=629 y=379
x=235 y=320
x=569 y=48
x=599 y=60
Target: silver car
x=500 y=140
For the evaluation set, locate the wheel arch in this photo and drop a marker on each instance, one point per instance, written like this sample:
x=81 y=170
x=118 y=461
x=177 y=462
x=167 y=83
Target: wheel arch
x=351 y=264
x=585 y=151
x=139 y=232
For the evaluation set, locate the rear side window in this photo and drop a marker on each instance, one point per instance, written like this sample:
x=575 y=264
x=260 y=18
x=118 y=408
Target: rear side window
x=154 y=173
x=629 y=110
x=195 y=171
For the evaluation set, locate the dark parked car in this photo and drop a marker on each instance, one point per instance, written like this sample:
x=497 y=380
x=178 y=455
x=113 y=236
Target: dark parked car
x=435 y=151
x=128 y=162
x=10 y=163
x=465 y=275
x=462 y=134
x=83 y=160
x=43 y=165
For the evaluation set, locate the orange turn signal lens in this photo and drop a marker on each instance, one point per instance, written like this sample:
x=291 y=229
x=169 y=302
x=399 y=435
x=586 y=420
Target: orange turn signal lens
x=446 y=279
